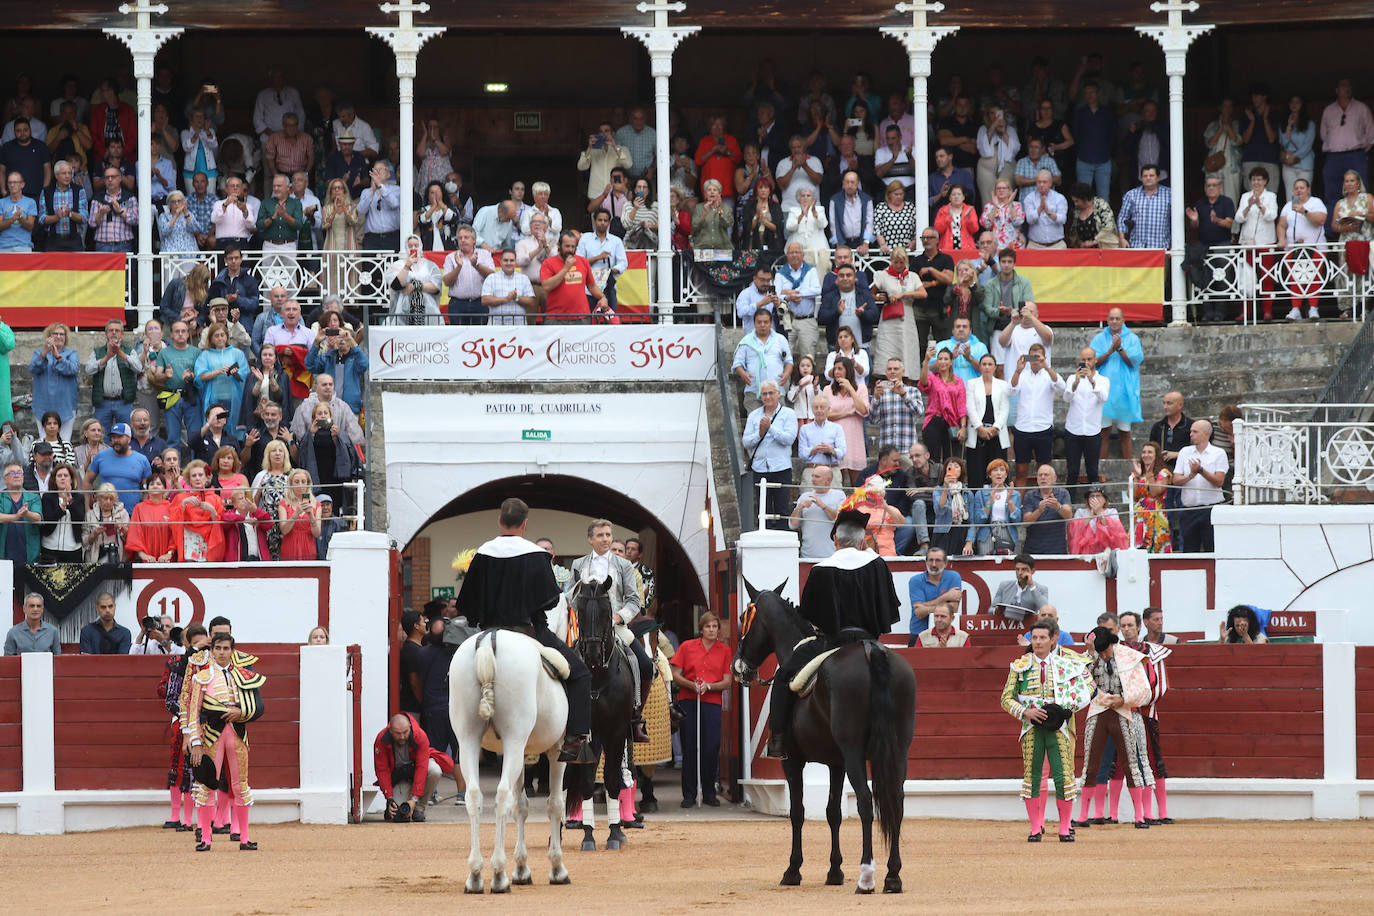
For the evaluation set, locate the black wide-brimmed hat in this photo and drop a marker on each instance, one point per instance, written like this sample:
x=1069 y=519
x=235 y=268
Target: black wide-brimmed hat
x=1055 y=716
x=849 y=517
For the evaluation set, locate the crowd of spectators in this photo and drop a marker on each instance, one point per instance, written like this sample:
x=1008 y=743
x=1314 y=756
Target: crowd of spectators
x=229 y=450
x=1049 y=164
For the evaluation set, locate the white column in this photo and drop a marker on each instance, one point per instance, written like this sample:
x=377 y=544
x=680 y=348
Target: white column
x=661 y=40
x=920 y=40
x=324 y=739
x=406 y=40
x=1174 y=38
x=143 y=42
x=39 y=809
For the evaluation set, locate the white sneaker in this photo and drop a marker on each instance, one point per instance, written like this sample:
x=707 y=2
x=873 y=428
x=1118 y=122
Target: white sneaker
x=1312 y=313
x=1295 y=314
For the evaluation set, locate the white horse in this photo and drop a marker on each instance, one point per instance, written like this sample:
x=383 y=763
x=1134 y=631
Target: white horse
x=498 y=689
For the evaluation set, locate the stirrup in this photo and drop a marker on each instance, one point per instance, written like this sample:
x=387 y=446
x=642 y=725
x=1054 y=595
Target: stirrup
x=574 y=747
x=774 y=748
x=638 y=731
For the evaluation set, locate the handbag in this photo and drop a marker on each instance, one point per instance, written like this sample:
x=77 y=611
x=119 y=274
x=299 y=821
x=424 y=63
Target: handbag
x=1214 y=162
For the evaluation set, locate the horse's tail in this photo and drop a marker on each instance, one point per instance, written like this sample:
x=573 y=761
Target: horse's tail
x=484 y=665
x=885 y=754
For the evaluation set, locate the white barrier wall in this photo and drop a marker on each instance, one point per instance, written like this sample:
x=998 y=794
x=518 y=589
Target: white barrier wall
x=268 y=604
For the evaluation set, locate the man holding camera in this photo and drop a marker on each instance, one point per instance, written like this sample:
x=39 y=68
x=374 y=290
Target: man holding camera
x=213 y=435
x=1086 y=393
x=343 y=415
x=760 y=296
x=602 y=154
x=156 y=638
x=1036 y=385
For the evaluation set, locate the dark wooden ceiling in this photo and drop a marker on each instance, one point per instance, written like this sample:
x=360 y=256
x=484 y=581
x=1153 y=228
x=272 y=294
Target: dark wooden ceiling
x=318 y=15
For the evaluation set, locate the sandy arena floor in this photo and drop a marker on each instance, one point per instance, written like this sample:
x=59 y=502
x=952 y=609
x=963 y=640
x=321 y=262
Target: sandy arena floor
x=689 y=862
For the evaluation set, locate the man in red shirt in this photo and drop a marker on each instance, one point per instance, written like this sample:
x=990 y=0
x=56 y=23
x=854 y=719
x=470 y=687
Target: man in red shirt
x=567 y=278
x=701 y=670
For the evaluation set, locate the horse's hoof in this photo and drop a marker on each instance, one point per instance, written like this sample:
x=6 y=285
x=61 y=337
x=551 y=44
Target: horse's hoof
x=790 y=878
x=834 y=877
x=589 y=845
x=613 y=844
x=500 y=887
x=523 y=878
x=471 y=888
x=892 y=885
x=565 y=878
x=857 y=890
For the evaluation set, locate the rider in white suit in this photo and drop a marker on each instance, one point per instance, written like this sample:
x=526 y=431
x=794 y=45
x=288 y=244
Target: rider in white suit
x=597 y=566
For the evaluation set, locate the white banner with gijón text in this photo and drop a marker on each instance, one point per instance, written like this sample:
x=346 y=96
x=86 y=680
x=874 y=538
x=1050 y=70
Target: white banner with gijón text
x=542 y=353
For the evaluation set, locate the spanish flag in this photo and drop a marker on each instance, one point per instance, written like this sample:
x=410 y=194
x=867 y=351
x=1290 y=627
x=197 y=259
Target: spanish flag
x=1083 y=284
x=633 y=299
x=79 y=289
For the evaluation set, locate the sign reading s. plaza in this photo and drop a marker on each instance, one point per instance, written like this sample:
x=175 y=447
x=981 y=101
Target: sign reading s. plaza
x=543 y=353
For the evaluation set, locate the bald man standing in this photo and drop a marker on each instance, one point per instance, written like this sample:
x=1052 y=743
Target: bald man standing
x=1200 y=472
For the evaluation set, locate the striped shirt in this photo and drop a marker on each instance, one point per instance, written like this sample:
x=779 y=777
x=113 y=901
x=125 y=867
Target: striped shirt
x=500 y=284
x=74 y=198
x=112 y=226
x=1144 y=218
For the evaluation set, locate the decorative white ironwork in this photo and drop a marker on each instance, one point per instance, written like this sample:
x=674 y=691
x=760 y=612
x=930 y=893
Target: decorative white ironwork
x=1253 y=277
x=1350 y=456
x=1288 y=453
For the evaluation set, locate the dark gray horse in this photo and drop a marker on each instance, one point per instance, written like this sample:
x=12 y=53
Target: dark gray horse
x=612 y=704
x=861 y=715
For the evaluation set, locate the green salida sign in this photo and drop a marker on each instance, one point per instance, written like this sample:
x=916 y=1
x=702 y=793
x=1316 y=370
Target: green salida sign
x=536 y=435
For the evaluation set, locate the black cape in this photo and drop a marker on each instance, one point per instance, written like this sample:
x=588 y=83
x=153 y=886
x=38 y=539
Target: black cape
x=852 y=588
x=509 y=584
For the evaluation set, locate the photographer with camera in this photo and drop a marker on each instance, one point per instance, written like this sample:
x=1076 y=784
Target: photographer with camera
x=1085 y=392
x=1037 y=385
x=759 y=296
x=602 y=155
x=155 y=638
x=213 y=435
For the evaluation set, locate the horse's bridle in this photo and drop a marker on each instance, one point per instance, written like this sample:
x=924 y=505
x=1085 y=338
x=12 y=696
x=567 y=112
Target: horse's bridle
x=603 y=645
x=746 y=623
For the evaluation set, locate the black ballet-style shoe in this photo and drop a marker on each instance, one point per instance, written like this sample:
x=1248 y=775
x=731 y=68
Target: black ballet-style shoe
x=224 y=828
x=1141 y=825
x=184 y=828
x=1099 y=821
x=171 y=825
x=233 y=837
x=1152 y=821
x=1166 y=820
x=1085 y=823
x=202 y=847
x=1035 y=837
x=248 y=847
x=1066 y=837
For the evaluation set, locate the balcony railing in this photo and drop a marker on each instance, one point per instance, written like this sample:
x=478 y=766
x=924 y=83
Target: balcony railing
x=1293 y=453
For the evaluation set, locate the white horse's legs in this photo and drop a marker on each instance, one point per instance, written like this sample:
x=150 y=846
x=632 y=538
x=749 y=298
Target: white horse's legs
x=558 y=874
x=468 y=753
x=512 y=775
x=521 y=875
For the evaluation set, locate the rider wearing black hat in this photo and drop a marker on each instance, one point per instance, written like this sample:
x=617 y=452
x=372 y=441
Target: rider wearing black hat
x=848 y=597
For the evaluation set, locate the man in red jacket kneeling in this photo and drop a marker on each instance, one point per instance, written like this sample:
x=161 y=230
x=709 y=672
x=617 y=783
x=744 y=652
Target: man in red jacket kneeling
x=405 y=763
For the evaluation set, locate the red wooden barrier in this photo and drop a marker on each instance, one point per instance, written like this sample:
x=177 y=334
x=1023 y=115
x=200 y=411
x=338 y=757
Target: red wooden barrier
x=111 y=730
x=1232 y=711
x=11 y=732
x=1364 y=712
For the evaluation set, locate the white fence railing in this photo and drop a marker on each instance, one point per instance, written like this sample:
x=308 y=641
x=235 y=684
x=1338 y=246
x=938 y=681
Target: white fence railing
x=1268 y=280
x=1288 y=453
x=1257 y=279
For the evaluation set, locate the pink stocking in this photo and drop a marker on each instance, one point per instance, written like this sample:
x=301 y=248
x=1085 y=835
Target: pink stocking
x=221 y=808
x=1162 y=797
x=241 y=819
x=207 y=816
x=234 y=825
x=188 y=802
x=1065 y=816
x=1115 y=786
x=1137 y=800
x=1147 y=798
x=1086 y=803
x=627 y=804
x=1100 y=800
x=175 y=793
x=1033 y=809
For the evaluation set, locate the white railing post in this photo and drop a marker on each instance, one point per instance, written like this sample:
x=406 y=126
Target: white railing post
x=1238 y=479
x=763 y=500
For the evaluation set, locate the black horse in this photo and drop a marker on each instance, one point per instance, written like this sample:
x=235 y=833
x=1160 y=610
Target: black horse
x=612 y=703
x=861 y=714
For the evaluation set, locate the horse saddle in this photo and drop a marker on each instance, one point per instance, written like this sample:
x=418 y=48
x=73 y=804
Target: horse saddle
x=554 y=663
x=805 y=681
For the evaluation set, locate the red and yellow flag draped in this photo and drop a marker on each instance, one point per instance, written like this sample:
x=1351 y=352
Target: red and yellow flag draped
x=80 y=289
x=1082 y=285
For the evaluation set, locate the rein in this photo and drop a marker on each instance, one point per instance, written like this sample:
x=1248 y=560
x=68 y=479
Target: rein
x=746 y=624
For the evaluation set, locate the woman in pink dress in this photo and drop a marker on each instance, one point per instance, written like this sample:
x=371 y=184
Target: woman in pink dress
x=848 y=407
x=946 y=412
x=1004 y=216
